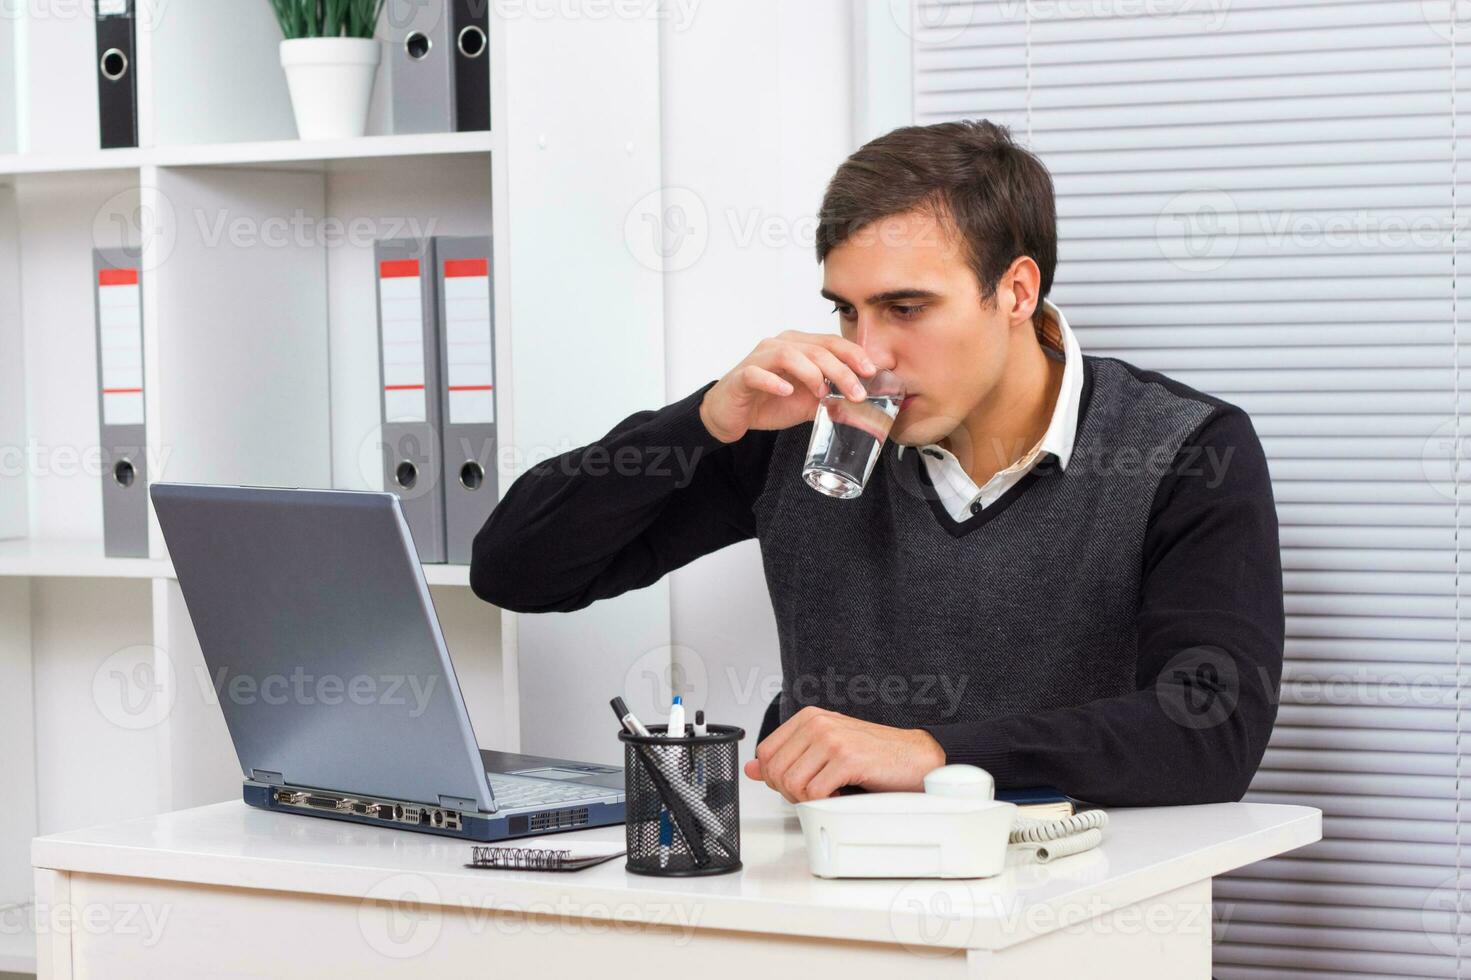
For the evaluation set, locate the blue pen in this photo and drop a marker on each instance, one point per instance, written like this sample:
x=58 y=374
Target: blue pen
x=675 y=729
x=666 y=836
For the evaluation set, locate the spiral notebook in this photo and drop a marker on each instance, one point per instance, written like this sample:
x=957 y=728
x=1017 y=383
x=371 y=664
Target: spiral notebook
x=545 y=854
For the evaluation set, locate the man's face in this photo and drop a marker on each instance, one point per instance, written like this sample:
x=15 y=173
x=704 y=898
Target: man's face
x=904 y=291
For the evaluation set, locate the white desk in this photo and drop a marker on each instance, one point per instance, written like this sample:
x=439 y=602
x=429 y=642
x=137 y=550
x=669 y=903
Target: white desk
x=226 y=890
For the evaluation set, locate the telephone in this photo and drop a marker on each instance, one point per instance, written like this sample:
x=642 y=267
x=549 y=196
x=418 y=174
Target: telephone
x=956 y=828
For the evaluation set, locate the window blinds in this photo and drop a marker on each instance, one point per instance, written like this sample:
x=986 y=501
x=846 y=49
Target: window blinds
x=1257 y=198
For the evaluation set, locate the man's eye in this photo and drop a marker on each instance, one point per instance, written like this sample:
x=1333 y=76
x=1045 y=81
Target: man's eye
x=907 y=312
x=846 y=312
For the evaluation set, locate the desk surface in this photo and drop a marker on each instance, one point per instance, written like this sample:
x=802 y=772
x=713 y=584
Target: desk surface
x=1145 y=852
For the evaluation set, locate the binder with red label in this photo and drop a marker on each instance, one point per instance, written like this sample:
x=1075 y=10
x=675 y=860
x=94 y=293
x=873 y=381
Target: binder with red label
x=117 y=291
x=467 y=360
x=408 y=358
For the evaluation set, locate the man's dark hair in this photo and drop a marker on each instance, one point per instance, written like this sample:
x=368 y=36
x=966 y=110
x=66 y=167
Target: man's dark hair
x=974 y=179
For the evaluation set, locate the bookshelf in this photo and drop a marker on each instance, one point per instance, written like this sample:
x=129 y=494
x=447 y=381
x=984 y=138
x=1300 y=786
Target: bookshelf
x=260 y=367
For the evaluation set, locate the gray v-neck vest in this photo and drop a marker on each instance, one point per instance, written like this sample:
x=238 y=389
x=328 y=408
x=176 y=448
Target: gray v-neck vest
x=889 y=610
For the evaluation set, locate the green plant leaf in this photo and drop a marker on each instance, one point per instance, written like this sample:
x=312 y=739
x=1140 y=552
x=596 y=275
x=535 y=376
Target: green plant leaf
x=327 y=18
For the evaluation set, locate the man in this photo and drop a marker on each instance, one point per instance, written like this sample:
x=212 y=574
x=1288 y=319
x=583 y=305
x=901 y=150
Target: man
x=1063 y=569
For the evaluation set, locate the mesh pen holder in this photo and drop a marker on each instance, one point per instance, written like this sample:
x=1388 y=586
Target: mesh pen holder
x=701 y=773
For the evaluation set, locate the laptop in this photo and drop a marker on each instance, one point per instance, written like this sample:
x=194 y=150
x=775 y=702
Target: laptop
x=323 y=646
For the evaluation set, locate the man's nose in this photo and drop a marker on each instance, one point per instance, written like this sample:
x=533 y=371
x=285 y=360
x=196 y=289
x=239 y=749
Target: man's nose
x=878 y=346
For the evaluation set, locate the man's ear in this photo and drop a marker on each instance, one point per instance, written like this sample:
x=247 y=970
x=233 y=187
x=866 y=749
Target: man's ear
x=1023 y=281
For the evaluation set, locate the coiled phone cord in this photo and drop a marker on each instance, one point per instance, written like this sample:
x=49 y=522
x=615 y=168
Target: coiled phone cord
x=1049 y=839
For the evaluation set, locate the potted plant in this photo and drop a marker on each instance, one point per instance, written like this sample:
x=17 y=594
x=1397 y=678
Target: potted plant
x=330 y=57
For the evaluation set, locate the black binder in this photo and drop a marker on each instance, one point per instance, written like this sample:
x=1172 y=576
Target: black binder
x=117 y=86
x=471 y=27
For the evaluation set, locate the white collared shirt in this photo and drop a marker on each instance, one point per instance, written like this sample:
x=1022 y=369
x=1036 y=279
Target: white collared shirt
x=958 y=492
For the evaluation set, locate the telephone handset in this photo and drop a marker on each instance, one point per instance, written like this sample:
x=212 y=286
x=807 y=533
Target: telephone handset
x=956 y=828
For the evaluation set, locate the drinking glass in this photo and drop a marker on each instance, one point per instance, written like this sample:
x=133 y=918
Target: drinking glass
x=847 y=435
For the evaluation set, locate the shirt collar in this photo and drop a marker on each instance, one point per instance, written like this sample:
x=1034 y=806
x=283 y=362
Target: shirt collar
x=1062 y=431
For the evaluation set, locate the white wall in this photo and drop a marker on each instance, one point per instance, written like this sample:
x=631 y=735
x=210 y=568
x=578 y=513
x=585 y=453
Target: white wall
x=758 y=112
x=7 y=85
x=585 y=314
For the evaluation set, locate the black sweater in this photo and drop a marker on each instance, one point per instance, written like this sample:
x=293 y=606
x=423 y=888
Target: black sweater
x=1186 y=721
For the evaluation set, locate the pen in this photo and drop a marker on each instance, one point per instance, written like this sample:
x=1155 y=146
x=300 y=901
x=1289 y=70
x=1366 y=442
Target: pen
x=626 y=718
x=700 y=755
x=674 y=729
x=666 y=836
x=697 y=754
x=689 y=826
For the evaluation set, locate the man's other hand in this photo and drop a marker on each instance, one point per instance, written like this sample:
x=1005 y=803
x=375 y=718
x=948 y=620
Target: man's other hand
x=817 y=751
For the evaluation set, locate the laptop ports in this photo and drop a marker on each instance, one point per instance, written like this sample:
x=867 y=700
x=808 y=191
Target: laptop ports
x=392 y=812
x=444 y=819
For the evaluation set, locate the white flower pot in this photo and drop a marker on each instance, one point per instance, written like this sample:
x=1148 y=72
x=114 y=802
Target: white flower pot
x=331 y=83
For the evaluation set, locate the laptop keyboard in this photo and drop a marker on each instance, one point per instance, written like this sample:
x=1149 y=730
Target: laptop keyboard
x=512 y=791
